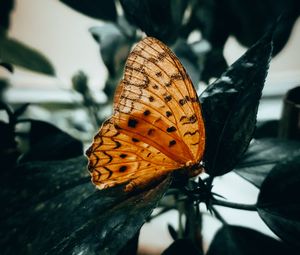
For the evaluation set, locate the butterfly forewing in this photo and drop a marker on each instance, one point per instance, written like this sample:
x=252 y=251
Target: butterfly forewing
x=157 y=126
x=159 y=97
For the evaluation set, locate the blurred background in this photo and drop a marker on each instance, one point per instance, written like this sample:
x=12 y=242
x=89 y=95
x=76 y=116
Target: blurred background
x=57 y=46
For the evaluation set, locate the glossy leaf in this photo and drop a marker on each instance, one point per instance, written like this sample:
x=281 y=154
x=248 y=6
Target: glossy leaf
x=262 y=155
x=229 y=107
x=48 y=142
x=235 y=240
x=53 y=208
x=17 y=53
x=279 y=201
x=104 y=10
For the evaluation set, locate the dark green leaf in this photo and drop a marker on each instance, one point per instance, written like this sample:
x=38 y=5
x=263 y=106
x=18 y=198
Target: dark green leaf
x=7 y=66
x=105 y=10
x=32 y=183
x=114 y=48
x=53 y=208
x=214 y=64
x=160 y=19
x=5 y=9
x=19 y=111
x=17 y=53
x=229 y=108
x=279 y=201
x=173 y=232
x=266 y=129
x=131 y=247
x=262 y=155
x=235 y=240
x=48 y=142
x=8 y=147
x=182 y=246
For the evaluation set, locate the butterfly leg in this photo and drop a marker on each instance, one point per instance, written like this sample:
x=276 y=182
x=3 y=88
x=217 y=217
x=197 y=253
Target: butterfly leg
x=144 y=181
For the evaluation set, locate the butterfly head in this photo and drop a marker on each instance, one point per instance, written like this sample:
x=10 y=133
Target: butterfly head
x=194 y=168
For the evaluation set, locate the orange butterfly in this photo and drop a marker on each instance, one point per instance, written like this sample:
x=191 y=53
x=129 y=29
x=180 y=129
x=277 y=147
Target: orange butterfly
x=157 y=125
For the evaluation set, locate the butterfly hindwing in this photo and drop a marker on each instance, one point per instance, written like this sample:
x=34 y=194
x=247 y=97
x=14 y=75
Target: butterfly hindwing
x=115 y=158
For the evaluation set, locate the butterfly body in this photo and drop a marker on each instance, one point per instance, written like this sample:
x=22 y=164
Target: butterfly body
x=156 y=127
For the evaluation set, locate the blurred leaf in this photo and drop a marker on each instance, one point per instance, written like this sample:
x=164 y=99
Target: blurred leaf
x=182 y=246
x=19 y=111
x=80 y=82
x=48 y=142
x=266 y=129
x=114 y=50
x=114 y=47
x=172 y=232
x=214 y=64
x=229 y=108
x=53 y=208
x=17 y=53
x=5 y=9
x=262 y=155
x=237 y=18
x=155 y=17
x=104 y=10
x=7 y=66
x=278 y=202
x=235 y=240
x=8 y=147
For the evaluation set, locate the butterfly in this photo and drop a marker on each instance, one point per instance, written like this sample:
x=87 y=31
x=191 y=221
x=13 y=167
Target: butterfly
x=156 y=127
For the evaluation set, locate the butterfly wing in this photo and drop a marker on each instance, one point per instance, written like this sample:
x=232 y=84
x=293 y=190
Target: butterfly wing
x=157 y=122
x=156 y=102
x=116 y=158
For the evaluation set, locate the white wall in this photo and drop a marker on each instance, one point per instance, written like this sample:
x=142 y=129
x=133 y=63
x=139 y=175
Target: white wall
x=62 y=35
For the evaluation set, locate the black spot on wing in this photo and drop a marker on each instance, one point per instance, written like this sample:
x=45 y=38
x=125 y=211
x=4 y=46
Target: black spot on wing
x=132 y=122
x=168 y=113
x=172 y=143
x=171 y=129
x=122 y=169
x=146 y=113
x=168 y=98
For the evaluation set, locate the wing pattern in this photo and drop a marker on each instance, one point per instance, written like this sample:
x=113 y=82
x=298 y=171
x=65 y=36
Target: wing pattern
x=157 y=125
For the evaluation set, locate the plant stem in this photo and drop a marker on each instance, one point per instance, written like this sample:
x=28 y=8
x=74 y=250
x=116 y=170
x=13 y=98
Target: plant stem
x=247 y=207
x=218 y=216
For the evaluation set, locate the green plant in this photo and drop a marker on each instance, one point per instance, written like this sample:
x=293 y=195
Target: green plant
x=51 y=207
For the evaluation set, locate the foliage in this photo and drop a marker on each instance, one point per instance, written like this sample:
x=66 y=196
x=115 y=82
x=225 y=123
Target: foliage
x=50 y=206
x=17 y=53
